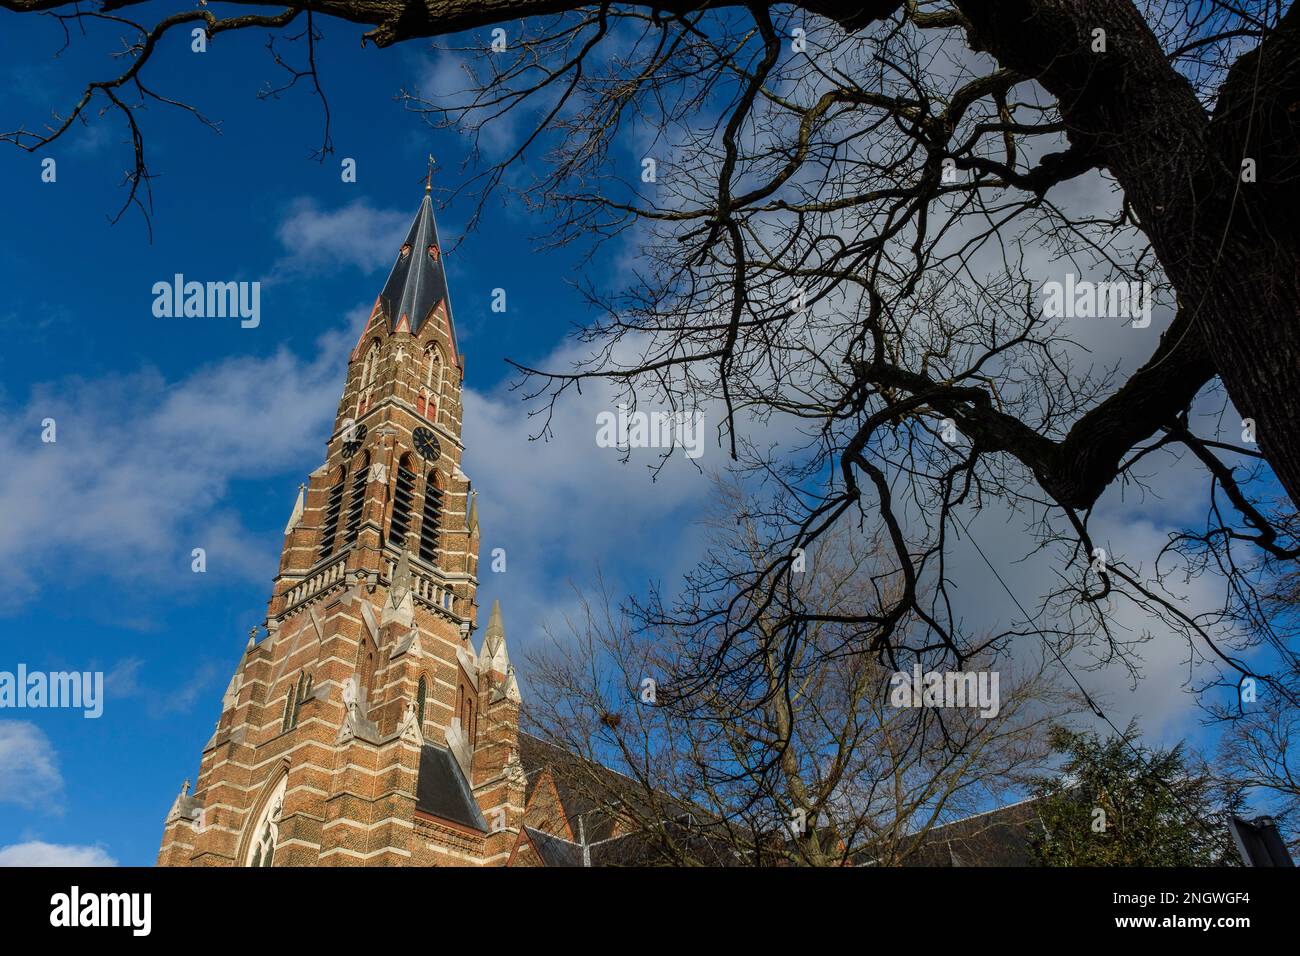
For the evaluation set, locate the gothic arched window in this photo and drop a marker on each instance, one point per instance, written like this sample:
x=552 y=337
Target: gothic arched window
x=365 y=669
x=330 y=525
x=358 y=500
x=293 y=703
x=371 y=367
x=431 y=393
x=369 y=371
x=403 y=498
x=431 y=521
x=465 y=711
x=432 y=367
x=421 y=692
x=266 y=831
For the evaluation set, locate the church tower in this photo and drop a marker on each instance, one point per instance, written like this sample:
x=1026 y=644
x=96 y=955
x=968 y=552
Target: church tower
x=360 y=727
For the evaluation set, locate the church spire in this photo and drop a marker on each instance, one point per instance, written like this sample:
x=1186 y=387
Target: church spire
x=417 y=282
x=382 y=535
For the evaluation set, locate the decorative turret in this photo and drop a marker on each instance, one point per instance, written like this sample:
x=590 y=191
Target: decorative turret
x=296 y=515
x=510 y=689
x=499 y=781
x=493 y=659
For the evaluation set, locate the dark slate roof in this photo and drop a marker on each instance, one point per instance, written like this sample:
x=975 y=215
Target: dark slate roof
x=587 y=790
x=417 y=283
x=632 y=849
x=629 y=849
x=644 y=849
x=442 y=790
x=1000 y=837
x=553 y=850
x=579 y=783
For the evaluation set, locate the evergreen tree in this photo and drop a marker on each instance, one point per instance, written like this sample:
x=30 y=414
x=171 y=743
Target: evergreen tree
x=1118 y=803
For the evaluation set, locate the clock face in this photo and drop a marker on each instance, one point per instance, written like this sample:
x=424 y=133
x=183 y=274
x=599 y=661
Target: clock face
x=352 y=443
x=426 y=444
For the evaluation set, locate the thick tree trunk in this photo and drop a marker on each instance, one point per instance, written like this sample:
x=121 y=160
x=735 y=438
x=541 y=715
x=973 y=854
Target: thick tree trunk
x=1252 y=327
x=1228 y=246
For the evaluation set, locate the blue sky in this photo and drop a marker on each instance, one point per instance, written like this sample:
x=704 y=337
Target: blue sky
x=182 y=433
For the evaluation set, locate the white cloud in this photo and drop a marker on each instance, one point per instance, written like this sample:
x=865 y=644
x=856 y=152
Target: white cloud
x=447 y=80
x=1131 y=528
x=563 y=508
x=37 y=853
x=29 y=773
x=140 y=471
x=356 y=235
x=124 y=679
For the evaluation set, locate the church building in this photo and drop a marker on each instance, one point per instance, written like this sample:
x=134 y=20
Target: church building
x=362 y=727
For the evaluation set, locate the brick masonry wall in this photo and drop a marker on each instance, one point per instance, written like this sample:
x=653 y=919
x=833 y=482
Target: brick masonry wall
x=350 y=795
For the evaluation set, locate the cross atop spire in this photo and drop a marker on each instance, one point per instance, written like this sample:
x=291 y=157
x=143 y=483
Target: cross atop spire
x=428 y=180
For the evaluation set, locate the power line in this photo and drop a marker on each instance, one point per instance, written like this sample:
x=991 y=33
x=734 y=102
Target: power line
x=1092 y=704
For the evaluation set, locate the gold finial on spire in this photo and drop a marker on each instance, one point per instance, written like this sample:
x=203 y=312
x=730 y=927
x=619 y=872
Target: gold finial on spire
x=428 y=180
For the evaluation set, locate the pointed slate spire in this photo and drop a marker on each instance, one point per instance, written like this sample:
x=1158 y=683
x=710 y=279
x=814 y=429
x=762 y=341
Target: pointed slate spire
x=417 y=282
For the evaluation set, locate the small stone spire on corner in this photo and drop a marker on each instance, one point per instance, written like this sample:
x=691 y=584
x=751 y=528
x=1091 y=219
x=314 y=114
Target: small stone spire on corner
x=473 y=512
x=185 y=807
x=496 y=630
x=402 y=574
x=400 y=607
x=493 y=657
x=510 y=689
x=296 y=516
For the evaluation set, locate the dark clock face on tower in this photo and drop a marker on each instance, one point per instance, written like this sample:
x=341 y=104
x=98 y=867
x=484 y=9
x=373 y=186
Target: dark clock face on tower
x=352 y=442
x=426 y=444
